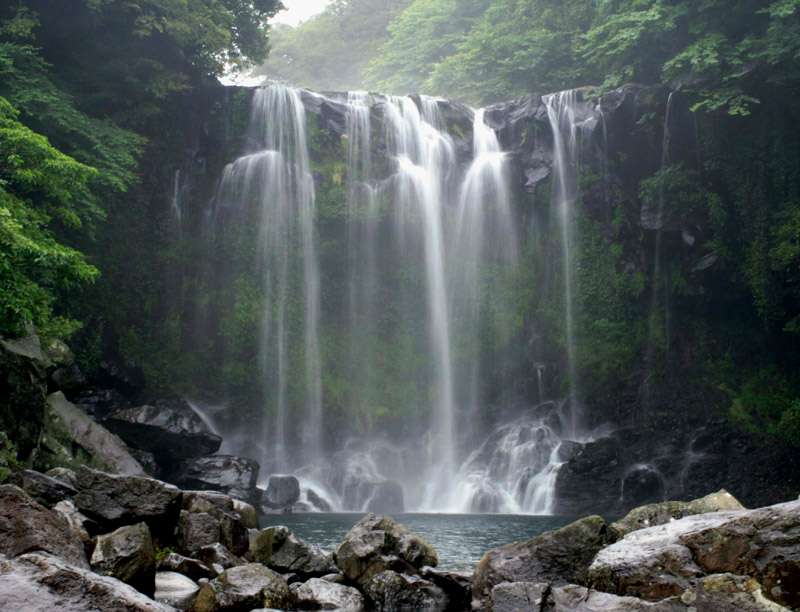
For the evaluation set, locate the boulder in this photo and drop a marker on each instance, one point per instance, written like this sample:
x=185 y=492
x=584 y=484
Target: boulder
x=244 y=588
x=247 y=514
x=282 y=492
x=664 y=512
x=46 y=490
x=281 y=550
x=377 y=543
x=318 y=594
x=193 y=568
x=72 y=439
x=169 y=429
x=99 y=403
x=516 y=596
x=78 y=523
x=456 y=585
x=196 y=530
x=27 y=526
x=386 y=497
x=114 y=501
x=64 y=475
x=234 y=476
x=729 y=593
x=128 y=555
x=175 y=590
x=389 y=590
x=208 y=517
x=219 y=558
x=559 y=556
x=572 y=598
x=39 y=582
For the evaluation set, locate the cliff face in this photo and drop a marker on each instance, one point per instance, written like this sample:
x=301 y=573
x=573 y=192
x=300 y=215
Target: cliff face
x=648 y=290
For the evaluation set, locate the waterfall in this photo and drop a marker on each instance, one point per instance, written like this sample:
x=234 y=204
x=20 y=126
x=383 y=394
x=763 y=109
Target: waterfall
x=561 y=113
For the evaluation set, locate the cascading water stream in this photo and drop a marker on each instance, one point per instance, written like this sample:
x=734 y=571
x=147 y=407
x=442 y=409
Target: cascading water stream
x=561 y=113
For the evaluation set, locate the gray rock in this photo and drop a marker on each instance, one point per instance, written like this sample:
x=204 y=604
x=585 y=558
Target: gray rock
x=46 y=490
x=282 y=492
x=247 y=513
x=128 y=555
x=318 y=594
x=78 y=523
x=114 y=501
x=68 y=427
x=196 y=530
x=572 y=598
x=281 y=550
x=27 y=526
x=175 y=590
x=209 y=517
x=729 y=593
x=664 y=512
x=335 y=578
x=234 y=476
x=193 y=568
x=517 y=596
x=64 y=475
x=219 y=558
x=244 y=588
x=389 y=590
x=559 y=556
x=378 y=543
x=169 y=429
x=39 y=582
x=456 y=585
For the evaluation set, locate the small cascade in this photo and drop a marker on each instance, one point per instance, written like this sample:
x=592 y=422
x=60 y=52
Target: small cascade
x=176 y=204
x=561 y=111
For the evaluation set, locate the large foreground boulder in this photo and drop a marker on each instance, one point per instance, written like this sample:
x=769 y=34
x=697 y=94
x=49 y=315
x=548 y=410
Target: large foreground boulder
x=114 y=501
x=169 y=429
x=71 y=438
x=318 y=594
x=666 y=560
x=244 y=588
x=27 y=526
x=281 y=550
x=235 y=476
x=559 y=557
x=39 y=582
x=389 y=590
x=378 y=543
x=128 y=555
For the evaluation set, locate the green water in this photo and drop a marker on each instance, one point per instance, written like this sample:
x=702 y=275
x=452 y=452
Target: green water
x=460 y=539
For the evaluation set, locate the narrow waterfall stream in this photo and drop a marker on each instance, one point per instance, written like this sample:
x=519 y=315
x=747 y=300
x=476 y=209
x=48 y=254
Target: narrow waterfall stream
x=431 y=245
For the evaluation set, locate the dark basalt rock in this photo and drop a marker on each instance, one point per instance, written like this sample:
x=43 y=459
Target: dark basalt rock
x=169 y=429
x=219 y=558
x=128 y=555
x=39 y=582
x=389 y=591
x=193 y=568
x=247 y=587
x=281 y=550
x=44 y=489
x=560 y=556
x=282 y=492
x=114 y=501
x=99 y=403
x=235 y=476
x=456 y=585
x=27 y=526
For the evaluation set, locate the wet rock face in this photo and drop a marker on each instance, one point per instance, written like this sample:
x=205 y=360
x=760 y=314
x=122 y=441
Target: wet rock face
x=377 y=543
x=46 y=490
x=27 y=526
x=169 y=429
x=281 y=550
x=389 y=590
x=235 y=476
x=282 y=492
x=128 y=555
x=244 y=588
x=318 y=594
x=38 y=582
x=113 y=501
x=665 y=561
x=557 y=556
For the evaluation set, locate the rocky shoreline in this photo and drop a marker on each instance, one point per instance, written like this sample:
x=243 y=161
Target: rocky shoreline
x=90 y=540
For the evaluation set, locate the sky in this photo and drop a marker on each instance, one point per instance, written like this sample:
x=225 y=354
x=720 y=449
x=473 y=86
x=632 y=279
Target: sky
x=299 y=10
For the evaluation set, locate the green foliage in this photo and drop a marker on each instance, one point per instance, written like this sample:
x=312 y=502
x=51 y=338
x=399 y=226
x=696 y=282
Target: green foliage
x=8 y=458
x=768 y=402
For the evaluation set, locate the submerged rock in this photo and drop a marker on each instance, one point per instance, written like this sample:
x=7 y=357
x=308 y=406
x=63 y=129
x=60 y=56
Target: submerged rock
x=235 y=476
x=128 y=555
x=281 y=550
x=560 y=556
x=282 y=492
x=175 y=590
x=114 y=501
x=318 y=594
x=378 y=543
x=389 y=590
x=169 y=429
x=244 y=588
x=39 y=582
x=27 y=526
